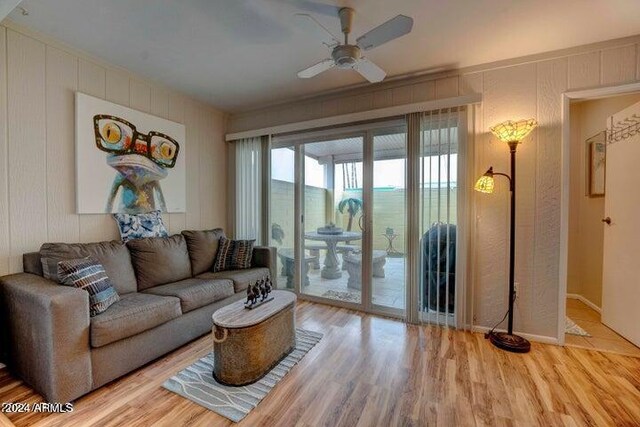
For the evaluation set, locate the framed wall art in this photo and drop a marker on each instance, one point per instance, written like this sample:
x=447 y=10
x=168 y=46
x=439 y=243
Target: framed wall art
x=596 y=164
x=127 y=161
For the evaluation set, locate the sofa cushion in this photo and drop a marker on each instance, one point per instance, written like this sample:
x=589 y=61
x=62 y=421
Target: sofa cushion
x=159 y=260
x=203 y=247
x=241 y=278
x=133 y=314
x=233 y=255
x=88 y=274
x=137 y=226
x=195 y=293
x=113 y=256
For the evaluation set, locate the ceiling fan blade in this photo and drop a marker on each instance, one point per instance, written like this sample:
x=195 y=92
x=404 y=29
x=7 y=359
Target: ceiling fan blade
x=316 y=69
x=313 y=6
x=392 y=29
x=370 y=71
x=311 y=23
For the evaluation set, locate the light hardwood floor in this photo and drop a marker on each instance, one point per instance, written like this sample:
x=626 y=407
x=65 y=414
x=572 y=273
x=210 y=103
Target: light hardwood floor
x=372 y=371
x=602 y=338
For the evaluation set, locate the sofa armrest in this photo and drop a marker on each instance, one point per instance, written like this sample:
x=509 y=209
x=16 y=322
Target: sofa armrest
x=265 y=256
x=47 y=328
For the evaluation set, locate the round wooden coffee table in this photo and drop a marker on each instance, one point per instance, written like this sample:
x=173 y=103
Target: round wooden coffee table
x=248 y=343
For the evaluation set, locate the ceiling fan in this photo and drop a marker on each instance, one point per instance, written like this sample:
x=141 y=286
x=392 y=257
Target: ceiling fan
x=349 y=56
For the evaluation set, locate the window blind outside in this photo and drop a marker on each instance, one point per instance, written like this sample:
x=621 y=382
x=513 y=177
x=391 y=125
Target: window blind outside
x=248 y=197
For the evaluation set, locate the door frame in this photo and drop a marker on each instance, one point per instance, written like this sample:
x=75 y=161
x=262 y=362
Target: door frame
x=567 y=98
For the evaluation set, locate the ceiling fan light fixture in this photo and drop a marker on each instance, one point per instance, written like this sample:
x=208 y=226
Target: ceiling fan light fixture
x=346 y=56
x=349 y=56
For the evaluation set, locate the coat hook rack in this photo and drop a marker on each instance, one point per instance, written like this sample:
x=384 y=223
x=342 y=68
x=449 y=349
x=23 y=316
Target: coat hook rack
x=623 y=129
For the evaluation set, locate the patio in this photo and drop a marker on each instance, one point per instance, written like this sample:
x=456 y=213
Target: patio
x=387 y=291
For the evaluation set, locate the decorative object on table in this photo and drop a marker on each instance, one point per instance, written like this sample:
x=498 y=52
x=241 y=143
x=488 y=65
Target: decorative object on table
x=247 y=344
x=138 y=226
x=277 y=233
x=258 y=293
x=439 y=268
x=330 y=229
x=596 y=161
x=127 y=161
x=572 y=328
x=196 y=384
x=390 y=235
x=353 y=206
x=233 y=254
x=511 y=133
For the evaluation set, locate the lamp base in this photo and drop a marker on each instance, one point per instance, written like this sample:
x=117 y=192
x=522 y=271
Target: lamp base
x=510 y=342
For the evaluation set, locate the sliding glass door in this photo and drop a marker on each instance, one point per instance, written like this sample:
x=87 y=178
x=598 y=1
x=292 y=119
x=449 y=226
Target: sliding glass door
x=339 y=216
x=389 y=218
x=282 y=215
x=332 y=225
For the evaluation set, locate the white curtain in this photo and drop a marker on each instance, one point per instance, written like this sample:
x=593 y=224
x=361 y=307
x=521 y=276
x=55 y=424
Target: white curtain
x=248 y=195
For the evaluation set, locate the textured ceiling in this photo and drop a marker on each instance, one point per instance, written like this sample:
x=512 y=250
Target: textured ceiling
x=239 y=54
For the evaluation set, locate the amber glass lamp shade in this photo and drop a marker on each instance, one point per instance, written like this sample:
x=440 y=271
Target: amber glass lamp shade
x=514 y=131
x=485 y=183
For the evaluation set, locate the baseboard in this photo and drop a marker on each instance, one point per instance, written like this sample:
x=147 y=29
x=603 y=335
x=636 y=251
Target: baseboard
x=584 y=300
x=531 y=337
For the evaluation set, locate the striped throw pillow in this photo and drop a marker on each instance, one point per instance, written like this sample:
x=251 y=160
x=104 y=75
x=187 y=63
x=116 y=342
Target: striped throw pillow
x=89 y=274
x=233 y=254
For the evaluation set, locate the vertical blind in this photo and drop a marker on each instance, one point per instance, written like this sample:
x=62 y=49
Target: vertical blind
x=248 y=212
x=438 y=214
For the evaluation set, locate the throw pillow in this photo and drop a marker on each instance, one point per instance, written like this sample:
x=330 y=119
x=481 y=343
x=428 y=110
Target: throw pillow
x=233 y=254
x=140 y=225
x=89 y=274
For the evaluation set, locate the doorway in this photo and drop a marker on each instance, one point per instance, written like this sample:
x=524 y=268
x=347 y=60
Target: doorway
x=585 y=323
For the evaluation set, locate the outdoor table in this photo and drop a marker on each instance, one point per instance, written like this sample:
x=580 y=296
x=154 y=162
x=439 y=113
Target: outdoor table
x=331 y=268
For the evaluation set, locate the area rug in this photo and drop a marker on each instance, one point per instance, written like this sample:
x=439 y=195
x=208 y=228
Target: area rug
x=342 y=296
x=196 y=382
x=572 y=328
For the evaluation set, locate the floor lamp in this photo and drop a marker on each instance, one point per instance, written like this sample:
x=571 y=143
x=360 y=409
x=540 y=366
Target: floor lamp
x=512 y=133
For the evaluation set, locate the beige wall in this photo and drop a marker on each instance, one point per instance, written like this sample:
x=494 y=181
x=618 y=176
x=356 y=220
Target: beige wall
x=525 y=87
x=585 y=226
x=37 y=165
x=282 y=209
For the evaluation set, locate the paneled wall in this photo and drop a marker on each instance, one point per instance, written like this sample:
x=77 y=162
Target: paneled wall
x=519 y=88
x=38 y=79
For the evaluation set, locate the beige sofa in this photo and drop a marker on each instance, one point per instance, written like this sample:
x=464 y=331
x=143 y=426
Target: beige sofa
x=167 y=296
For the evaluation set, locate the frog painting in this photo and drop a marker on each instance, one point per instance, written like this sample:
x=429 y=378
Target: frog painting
x=127 y=161
x=140 y=160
